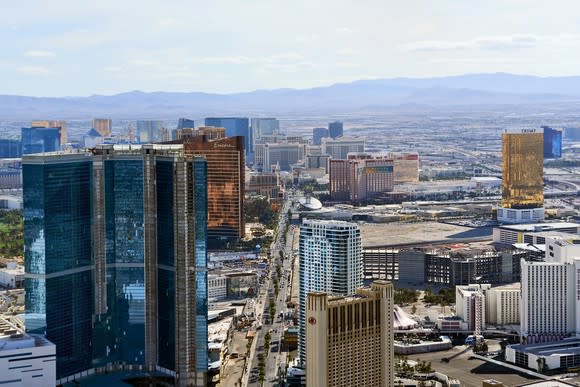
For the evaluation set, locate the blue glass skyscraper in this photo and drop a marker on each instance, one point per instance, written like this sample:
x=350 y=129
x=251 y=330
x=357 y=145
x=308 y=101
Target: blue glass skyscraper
x=10 y=148
x=235 y=126
x=335 y=129
x=38 y=140
x=59 y=291
x=552 y=143
x=318 y=134
x=134 y=221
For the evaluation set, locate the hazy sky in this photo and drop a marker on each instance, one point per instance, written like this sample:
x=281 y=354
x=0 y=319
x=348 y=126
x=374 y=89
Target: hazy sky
x=72 y=47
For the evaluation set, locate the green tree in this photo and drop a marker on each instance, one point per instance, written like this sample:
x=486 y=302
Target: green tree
x=267 y=339
x=11 y=233
x=259 y=208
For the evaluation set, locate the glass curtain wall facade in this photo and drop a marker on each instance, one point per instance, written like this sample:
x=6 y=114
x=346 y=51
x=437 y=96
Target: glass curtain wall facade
x=58 y=284
x=225 y=185
x=133 y=224
x=235 y=126
x=38 y=140
x=523 y=169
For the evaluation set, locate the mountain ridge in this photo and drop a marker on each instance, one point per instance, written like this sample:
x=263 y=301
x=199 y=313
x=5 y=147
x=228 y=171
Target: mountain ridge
x=460 y=90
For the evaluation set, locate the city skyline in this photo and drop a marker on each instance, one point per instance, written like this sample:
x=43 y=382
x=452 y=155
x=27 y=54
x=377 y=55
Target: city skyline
x=63 y=49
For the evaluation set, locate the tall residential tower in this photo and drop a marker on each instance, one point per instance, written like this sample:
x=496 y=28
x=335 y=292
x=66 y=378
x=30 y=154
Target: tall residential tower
x=115 y=256
x=523 y=176
x=330 y=257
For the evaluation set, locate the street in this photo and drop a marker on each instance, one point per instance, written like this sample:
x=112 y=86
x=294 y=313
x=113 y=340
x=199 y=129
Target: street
x=274 y=356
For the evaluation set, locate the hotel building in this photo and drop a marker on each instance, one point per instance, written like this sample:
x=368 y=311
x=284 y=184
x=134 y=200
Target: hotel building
x=350 y=338
x=329 y=261
x=360 y=177
x=522 y=177
x=116 y=260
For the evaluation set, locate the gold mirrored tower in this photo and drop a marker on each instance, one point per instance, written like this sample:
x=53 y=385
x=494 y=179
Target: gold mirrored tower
x=523 y=176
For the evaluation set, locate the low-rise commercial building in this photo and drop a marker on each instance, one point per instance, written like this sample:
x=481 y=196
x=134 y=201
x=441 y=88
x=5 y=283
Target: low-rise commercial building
x=26 y=360
x=533 y=233
x=12 y=276
x=443 y=265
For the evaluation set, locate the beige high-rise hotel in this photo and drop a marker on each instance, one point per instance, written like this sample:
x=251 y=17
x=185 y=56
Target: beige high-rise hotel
x=350 y=338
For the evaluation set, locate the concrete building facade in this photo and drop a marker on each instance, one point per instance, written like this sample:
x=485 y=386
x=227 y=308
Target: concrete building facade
x=470 y=305
x=502 y=304
x=360 y=177
x=339 y=148
x=554 y=285
x=350 y=339
x=26 y=360
x=329 y=261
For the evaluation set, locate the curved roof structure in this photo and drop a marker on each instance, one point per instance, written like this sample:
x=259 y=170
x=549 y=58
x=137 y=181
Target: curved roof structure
x=310 y=203
x=401 y=320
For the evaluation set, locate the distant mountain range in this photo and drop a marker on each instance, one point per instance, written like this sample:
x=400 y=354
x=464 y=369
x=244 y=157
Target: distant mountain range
x=462 y=90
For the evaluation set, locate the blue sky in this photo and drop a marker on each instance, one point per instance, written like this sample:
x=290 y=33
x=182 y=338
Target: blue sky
x=78 y=48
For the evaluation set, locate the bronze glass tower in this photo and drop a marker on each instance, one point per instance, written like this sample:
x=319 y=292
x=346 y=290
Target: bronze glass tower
x=225 y=184
x=523 y=169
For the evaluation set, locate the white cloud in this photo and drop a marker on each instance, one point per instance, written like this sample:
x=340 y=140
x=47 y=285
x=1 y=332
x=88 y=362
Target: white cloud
x=143 y=62
x=286 y=56
x=112 y=69
x=289 y=67
x=170 y=22
x=33 y=70
x=239 y=59
x=347 y=64
x=307 y=38
x=344 y=30
x=508 y=42
x=40 y=54
x=345 y=52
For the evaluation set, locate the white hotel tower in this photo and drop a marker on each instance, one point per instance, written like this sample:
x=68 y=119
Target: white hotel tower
x=330 y=256
x=550 y=305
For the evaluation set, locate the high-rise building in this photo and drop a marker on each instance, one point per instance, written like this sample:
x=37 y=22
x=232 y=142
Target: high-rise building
x=470 y=305
x=149 y=131
x=225 y=184
x=115 y=257
x=552 y=143
x=260 y=145
x=103 y=126
x=183 y=123
x=10 y=148
x=335 y=129
x=502 y=304
x=550 y=306
x=40 y=139
x=318 y=134
x=350 y=338
x=60 y=124
x=572 y=134
x=235 y=126
x=360 y=177
x=209 y=132
x=339 y=148
x=261 y=127
x=283 y=155
x=523 y=176
x=405 y=168
x=330 y=261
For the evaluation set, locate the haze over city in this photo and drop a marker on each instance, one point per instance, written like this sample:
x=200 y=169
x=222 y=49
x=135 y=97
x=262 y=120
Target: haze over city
x=67 y=48
x=250 y=193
